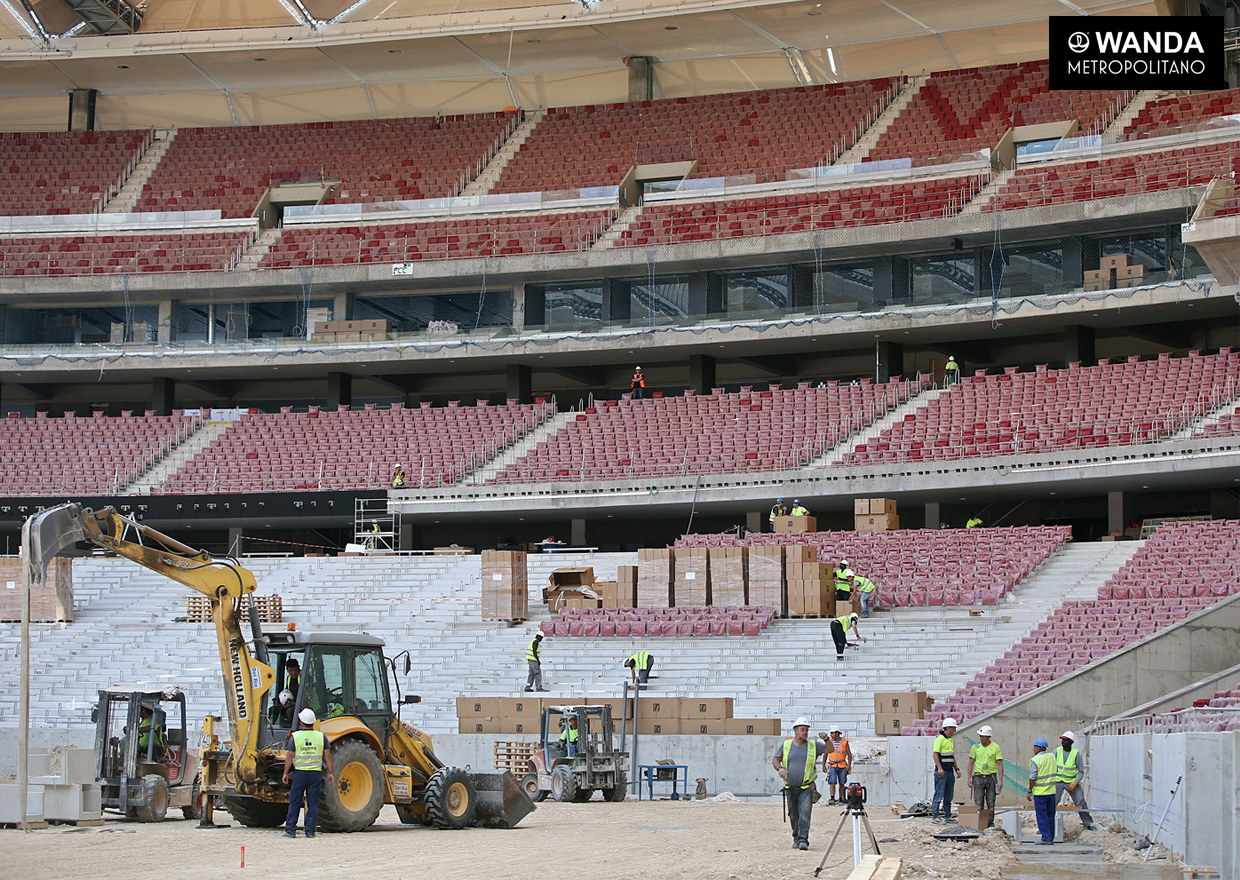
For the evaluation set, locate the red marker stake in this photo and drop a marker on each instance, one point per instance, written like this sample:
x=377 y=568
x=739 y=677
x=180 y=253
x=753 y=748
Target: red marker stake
x=243 y=856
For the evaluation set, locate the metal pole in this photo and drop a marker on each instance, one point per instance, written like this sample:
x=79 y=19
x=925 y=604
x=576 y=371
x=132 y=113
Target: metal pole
x=1150 y=848
x=23 y=725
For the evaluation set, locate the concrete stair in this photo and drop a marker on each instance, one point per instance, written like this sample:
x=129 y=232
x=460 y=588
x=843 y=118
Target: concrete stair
x=257 y=250
x=481 y=185
x=837 y=453
x=1209 y=420
x=859 y=150
x=158 y=473
x=617 y=228
x=512 y=453
x=1129 y=113
x=125 y=200
x=984 y=195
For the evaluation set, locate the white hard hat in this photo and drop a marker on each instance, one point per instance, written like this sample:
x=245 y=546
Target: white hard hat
x=307 y=716
x=637 y=368
x=843 y=562
x=835 y=729
x=286 y=697
x=949 y=722
x=801 y=722
x=984 y=730
x=1067 y=734
x=854 y=616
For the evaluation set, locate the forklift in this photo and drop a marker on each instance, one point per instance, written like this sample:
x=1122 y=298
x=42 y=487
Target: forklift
x=596 y=763
x=143 y=762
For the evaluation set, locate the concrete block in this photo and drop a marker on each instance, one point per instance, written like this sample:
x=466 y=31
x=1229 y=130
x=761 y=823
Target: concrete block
x=38 y=763
x=910 y=763
x=71 y=803
x=77 y=766
x=10 y=806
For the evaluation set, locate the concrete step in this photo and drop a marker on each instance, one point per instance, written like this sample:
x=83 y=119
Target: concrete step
x=861 y=148
x=481 y=185
x=131 y=193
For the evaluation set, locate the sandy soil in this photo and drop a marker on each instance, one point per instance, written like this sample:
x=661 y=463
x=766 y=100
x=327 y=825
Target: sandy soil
x=629 y=841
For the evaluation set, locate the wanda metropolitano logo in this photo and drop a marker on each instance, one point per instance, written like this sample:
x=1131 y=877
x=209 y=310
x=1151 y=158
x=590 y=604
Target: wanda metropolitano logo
x=1136 y=52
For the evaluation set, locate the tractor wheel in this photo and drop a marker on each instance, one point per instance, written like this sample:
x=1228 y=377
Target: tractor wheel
x=529 y=784
x=254 y=813
x=564 y=784
x=354 y=801
x=193 y=810
x=451 y=801
x=617 y=794
x=155 y=791
x=583 y=795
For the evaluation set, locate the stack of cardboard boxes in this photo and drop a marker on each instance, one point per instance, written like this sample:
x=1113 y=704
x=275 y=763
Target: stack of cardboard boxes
x=1115 y=271
x=766 y=577
x=572 y=588
x=793 y=525
x=811 y=584
x=896 y=710
x=875 y=515
x=505 y=590
x=620 y=593
x=696 y=716
x=729 y=575
x=51 y=602
x=691 y=581
x=656 y=569
x=351 y=331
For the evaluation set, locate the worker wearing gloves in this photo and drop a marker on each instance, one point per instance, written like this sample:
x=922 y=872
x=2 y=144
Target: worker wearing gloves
x=796 y=761
x=985 y=773
x=1070 y=766
x=843 y=582
x=639 y=666
x=840 y=627
x=1042 y=775
x=305 y=759
x=867 y=590
x=945 y=773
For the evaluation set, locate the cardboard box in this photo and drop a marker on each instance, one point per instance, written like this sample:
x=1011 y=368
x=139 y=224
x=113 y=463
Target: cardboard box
x=800 y=552
x=705 y=707
x=861 y=507
x=729 y=576
x=766 y=577
x=906 y=703
x=752 y=726
x=841 y=608
x=658 y=707
x=520 y=707
x=703 y=726
x=469 y=707
x=656 y=570
x=691 y=577
x=887 y=522
x=881 y=507
x=891 y=725
x=480 y=724
x=658 y=726
x=571 y=577
x=626 y=574
x=796 y=524
x=969 y=816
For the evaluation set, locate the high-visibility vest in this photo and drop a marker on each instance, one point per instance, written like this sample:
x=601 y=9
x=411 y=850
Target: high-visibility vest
x=1042 y=774
x=845 y=621
x=843 y=580
x=641 y=660
x=308 y=746
x=838 y=756
x=144 y=734
x=864 y=584
x=570 y=735
x=531 y=653
x=811 y=760
x=776 y=511
x=1065 y=764
x=639 y=381
x=800 y=511
x=951 y=365
x=973 y=522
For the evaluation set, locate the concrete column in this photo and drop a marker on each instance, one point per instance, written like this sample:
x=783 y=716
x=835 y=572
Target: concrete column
x=578 y=532
x=535 y=312
x=617 y=299
x=342 y=306
x=891 y=280
x=235 y=541
x=518 y=306
x=641 y=78
x=706 y=293
x=1078 y=345
x=520 y=384
x=753 y=520
x=801 y=287
x=339 y=389
x=82 y=109
x=890 y=360
x=1118 y=506
x=702 y=373
x=166 y=331
x=1079 y=255
x=163 y=394
x=406 y=536
x=934 y=514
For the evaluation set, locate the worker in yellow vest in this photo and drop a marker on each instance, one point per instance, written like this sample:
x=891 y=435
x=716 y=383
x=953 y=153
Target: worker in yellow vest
x=533 y=659
x=840 y=627
x=305 y=759
x=796 y=762
x=838 y=764
x=570 y=736
x=946 y=772
x=985 y=773
x=1043 y=772
x=639 y=666
x=799 y=509
x=1071 y=767
x=777 y=509
x=843 y=582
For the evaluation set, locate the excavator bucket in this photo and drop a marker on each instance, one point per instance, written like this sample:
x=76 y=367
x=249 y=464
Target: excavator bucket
x=46 y=534
x=501 y=802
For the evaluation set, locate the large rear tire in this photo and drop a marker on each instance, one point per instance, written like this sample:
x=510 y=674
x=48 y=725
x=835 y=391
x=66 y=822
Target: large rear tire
x=621 y=791
x=583 y=795
x=155 y=791
x=353 y=802
x=564 y=784
x=451 y=801
x=254 y=813
x=529 y=784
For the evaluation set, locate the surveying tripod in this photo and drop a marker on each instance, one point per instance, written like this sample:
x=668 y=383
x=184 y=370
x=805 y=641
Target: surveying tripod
x=855 y=806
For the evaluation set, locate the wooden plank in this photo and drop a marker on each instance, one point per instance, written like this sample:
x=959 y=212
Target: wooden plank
x=889 y=869
x=865 y=871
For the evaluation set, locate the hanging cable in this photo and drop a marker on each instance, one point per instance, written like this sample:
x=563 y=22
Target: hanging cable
x=482 y=294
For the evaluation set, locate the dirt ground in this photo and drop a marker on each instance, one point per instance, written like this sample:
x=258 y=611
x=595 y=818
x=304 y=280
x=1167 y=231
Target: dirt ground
x=679 y=840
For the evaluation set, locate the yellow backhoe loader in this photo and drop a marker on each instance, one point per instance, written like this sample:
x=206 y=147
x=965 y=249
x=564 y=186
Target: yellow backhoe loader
x=379 y=759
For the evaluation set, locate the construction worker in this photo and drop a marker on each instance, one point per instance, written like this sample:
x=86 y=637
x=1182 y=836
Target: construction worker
x=372 y=539
x=840 y=627
x=398 y=477
x=951 y=372
x=1043 y=772
x=798 y=509
x=838 y=764
x=570 y=736
x=973 y=522
x=305 y=759
x=796 y=761
x=638 y=385
x=1070 y=766
x=292 y=669
x=149 y=729
x=533 y=657
x=777 y=509
x=843 y=582
x=867 y=590
x=985 y=773
x=945 y=773
x=639 y=666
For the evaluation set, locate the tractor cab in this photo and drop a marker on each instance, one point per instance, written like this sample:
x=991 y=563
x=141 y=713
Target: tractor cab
x=143 y=761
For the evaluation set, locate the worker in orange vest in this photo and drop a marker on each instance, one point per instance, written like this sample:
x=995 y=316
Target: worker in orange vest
x=837 y=763
x=638 y=384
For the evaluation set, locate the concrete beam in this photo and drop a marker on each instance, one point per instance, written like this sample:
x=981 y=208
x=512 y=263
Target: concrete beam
x=776 y=365
x=163 y=396
x=520 y=383
x=36 y=390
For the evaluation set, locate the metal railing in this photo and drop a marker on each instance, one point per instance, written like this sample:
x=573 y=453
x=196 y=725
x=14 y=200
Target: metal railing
x=130 y=166
x=1199 y=719
x=143 y=255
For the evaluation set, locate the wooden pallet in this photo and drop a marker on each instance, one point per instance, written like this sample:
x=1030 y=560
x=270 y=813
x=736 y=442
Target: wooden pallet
x=514 y=755
x=80 y=823
x=40 y=823
x=270 y=609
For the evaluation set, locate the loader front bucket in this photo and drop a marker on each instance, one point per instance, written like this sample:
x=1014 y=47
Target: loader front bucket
x=501 y=801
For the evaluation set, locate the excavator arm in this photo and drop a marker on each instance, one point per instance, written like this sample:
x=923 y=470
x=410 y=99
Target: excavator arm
x=222 y=581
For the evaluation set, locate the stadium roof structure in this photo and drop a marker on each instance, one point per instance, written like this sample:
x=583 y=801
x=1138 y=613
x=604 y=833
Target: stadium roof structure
x=242 y=62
